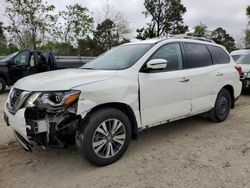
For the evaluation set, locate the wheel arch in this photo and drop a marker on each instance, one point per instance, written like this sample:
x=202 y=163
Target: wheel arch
x=125 y=109
x=231 y=91
x=4 y=77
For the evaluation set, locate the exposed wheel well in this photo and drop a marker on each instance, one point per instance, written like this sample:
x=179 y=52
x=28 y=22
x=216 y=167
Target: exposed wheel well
x=231 y=91
x=125 y=109
x=4 y=78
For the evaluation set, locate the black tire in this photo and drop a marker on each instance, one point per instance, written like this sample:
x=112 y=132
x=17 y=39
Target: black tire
x=222 y=106
x=86 y=137
x=2 y=85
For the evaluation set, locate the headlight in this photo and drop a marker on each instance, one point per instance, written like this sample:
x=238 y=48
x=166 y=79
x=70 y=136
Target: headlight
x=52 y=99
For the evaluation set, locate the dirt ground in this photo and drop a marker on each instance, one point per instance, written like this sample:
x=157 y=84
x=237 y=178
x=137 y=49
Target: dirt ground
x=189 y=153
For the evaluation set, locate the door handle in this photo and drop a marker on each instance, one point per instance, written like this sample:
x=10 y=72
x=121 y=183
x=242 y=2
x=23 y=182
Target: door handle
x=184 y=80
x=219 y=74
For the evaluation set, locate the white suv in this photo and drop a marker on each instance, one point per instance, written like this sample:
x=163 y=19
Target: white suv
x=105 y=103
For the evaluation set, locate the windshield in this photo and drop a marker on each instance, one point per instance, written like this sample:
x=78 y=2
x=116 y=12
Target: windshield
x=9 y=56
x=244 y=60
x=119 y=58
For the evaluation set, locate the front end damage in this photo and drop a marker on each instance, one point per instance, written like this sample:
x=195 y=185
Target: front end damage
x=50 y=128
x=47 y=118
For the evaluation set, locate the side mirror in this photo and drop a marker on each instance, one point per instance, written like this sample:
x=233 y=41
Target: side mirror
x=10 y=61
x=157 y=64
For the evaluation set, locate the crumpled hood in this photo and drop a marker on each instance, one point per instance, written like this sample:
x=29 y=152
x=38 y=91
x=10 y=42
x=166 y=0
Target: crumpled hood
x=245 y=68
x=62 y=79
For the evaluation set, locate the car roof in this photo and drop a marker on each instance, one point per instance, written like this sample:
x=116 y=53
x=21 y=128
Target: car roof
x=147 y=41
x=176 y=39
x=240 y=52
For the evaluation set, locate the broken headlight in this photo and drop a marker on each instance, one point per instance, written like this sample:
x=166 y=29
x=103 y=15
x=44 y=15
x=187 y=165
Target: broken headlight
x=52 y=100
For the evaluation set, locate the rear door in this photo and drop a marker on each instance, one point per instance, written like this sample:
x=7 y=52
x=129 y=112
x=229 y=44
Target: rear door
x=203 y=76
x=165 y=94
x=224 y=69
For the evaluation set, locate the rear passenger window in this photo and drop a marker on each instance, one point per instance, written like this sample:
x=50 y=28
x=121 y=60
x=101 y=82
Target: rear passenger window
x=219 y=55
x=197 y=55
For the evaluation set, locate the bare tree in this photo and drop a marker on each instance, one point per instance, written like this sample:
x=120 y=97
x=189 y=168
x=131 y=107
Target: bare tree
x=109 y=13
x=75 y=24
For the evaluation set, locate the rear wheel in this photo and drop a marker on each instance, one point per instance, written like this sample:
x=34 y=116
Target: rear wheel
x=222 y=106
x=2 y=85
x=105 y=138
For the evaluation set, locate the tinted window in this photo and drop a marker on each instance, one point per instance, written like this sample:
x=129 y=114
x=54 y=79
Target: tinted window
x=171 y=53
x=22 y=58
x=219 y=55
x=236 y=57
x=197 y=55
x=244 y=60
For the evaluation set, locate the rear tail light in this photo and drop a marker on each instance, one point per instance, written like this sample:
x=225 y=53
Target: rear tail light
x=239 y=69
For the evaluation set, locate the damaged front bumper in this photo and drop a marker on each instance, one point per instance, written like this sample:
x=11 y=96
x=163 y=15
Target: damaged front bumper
x=17 y=122
x=39 y=124
x=32 y=125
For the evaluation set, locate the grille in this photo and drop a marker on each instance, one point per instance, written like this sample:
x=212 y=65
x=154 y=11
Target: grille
x=16 y=99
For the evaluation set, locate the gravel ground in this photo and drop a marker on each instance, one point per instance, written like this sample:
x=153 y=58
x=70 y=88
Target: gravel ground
x=189 y=153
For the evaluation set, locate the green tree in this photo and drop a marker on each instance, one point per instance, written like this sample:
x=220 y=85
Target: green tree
x=29 y=21
x=59 y=48
x=106 y=35
x=11 y=48
x=248 y=12
x=89 y=47
x=75 y=24
x=3 y=43
x=144 y=33
x=247 y=31
x=247 y=38
x=166 y=18
x=221 y=36
x=200 y=30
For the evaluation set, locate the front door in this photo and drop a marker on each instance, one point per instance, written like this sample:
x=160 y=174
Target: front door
x=21 y=66
x=165 y=94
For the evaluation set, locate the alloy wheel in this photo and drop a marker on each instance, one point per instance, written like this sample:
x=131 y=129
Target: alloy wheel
x=109 y=138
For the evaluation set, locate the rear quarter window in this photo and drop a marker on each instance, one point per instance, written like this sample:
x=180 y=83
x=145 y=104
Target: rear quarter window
x=197 y=55
x=219 y=55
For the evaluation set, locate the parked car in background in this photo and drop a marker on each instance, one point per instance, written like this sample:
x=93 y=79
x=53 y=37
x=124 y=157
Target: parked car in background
x=128 y=89
x=26 y=62
x=244 y=63
x=239 y=53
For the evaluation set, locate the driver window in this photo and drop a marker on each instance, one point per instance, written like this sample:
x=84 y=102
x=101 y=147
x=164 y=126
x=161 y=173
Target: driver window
x=22 y=58
x=171 y=53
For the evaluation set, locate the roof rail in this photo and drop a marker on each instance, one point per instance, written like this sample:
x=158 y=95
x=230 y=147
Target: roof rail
x=191 y=37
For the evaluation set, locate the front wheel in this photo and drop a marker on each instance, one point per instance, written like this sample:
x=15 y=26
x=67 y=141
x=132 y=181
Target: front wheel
x=222 y=106
x=105 y=138
x=2 y=85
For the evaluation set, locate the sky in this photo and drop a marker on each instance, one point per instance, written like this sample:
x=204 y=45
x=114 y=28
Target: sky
x=229 y=14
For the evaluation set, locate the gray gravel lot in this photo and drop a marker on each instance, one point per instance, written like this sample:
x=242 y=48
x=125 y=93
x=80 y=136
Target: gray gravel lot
x=189 y=153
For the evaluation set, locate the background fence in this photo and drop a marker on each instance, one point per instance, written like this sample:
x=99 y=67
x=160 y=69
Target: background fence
x=69 y=58
x=73 y=58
